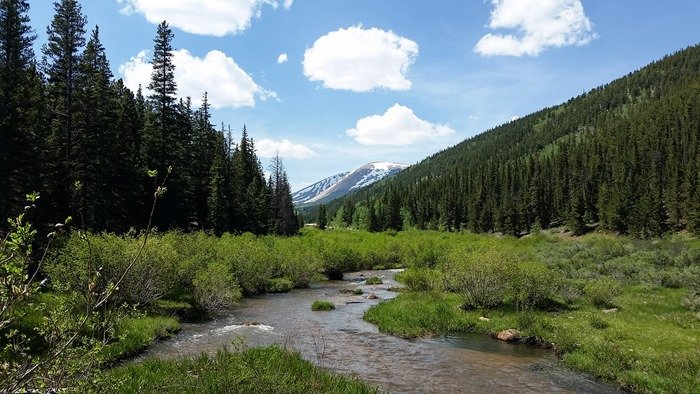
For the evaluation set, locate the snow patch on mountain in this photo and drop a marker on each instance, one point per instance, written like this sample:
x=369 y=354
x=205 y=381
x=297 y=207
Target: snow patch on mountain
x=339 y=185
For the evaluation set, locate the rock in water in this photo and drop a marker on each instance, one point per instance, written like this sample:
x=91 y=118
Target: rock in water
x=509 y=335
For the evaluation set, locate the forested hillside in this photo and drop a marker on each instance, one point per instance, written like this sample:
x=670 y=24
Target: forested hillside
x=97 y=151
x=624 y=157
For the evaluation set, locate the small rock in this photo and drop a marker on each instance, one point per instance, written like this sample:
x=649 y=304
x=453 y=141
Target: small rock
x=372 y=297
x=508 y=335
x=613 y=310
x=484 y=319
x=252 y=324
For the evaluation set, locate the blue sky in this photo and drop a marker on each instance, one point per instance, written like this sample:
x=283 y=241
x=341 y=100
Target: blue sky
x=383 y=80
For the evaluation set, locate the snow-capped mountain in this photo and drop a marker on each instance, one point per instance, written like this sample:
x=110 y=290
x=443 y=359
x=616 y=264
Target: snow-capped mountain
x=310 y=192
x=339 y=185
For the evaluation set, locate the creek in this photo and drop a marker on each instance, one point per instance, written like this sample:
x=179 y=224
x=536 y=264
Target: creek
x=341 y=341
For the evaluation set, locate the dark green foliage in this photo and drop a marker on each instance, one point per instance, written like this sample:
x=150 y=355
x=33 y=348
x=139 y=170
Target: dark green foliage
x=18 y=96
x=623 y=157
x=319 y=305
x=279 y=285
x=89 y=144
x=322 y=218
x=283 y=220
x=61 y=65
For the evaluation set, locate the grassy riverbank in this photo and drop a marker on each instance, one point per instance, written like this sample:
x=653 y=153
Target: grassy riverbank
x=550 y=287
x=649 y=342
x=260 y=370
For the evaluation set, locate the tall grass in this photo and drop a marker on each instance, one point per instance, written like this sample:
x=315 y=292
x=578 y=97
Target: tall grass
x=256 y=370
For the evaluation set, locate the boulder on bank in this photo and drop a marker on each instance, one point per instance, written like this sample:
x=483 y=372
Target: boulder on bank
x=509 y=335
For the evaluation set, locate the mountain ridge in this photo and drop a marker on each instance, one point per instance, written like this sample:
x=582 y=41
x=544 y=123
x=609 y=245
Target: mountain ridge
x=339 y=185
x=622 y=157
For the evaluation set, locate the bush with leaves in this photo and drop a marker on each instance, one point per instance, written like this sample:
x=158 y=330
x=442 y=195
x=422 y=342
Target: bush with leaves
x=481 y=278
x=602 y=291
x=531 y=284
x=215 y=289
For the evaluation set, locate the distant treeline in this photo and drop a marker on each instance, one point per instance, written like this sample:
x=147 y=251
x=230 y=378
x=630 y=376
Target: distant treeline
x=624 y=157
x=96 y=151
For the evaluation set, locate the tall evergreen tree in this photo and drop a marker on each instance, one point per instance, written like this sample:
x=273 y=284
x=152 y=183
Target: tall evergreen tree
x=17 y=104
x=322 y=217
x=205 y=145
x=218 y=200
x=94 y=143
x=250 y=208
x=283 y=218
x=161 y=144
x=66 y=38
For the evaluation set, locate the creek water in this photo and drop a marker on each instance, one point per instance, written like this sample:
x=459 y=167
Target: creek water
x=341 y=341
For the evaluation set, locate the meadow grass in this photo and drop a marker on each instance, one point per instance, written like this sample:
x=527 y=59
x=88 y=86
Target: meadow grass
x=651 y=344
x=255 y=370
x=136 y=334
x=549 y=287
x=320 y=305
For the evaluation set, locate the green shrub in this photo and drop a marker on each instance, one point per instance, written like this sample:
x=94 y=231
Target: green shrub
x=319 y=305
x=150 y=277
x=215 y=289
x=279 y=285
x=375 y=280
x=357 y=292
x=601 y=292
x=598 y=323
x=481 y=278
x=419 y=279
x=692 y=301
x=532 y=284
x=571 y=290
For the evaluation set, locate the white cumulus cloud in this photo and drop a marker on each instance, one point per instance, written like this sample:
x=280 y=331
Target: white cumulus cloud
x=361 y=60
x=285 y=148
x=212 y=17
x=399 y=126
x=227 y=85
x=282 y=58
x=539 y=24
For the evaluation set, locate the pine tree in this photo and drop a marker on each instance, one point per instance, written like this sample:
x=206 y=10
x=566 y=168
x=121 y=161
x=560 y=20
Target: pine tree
x=205 y=143
x=218 y=201
x=161 y=144
x=250 y=210
x=127 y=169
x=61 y=66
x=17 y=136
x=96 y=153
x=373 y=225
x=394 y=220
x=322 y=217
x=283 y=219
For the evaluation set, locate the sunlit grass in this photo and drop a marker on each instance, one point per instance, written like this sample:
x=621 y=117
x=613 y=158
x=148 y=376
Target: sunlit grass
x=256 y=370
x=651 y=344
